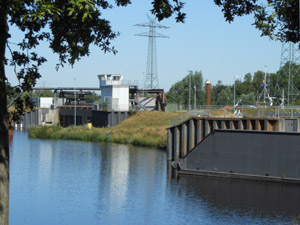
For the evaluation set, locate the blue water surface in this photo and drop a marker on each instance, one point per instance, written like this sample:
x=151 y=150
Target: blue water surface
x=83 y=183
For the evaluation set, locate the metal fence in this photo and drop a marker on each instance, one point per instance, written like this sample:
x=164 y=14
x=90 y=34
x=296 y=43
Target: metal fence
x=238 y=112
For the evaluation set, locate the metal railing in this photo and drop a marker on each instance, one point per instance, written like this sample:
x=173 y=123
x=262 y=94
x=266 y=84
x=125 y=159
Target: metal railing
x=119 y=82
x=238 y=112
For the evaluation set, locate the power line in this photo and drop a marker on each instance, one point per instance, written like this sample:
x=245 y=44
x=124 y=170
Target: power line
x=151 y=79
x=290 y=59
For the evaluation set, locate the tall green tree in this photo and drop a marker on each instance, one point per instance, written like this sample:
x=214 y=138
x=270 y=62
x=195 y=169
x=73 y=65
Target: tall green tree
x=249 y=98
x=216 y=91
x=225 y=97
x=70 y=27
x=179 y=92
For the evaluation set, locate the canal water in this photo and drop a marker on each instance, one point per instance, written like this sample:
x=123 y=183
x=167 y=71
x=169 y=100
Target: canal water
x=82 y=183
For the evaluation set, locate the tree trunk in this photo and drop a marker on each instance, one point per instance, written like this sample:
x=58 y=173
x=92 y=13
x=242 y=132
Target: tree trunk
x=4 y=146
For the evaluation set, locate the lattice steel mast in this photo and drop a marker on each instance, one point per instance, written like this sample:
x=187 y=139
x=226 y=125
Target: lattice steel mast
x=151 y=79
x=290 y=58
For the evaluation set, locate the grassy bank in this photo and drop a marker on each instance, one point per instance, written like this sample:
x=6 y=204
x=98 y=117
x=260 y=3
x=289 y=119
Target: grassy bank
x=142 y=129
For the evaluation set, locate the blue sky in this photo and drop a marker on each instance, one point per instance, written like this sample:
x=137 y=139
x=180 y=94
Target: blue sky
x=205 y=42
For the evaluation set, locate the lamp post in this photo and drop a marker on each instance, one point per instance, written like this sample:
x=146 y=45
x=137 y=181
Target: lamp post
x=190 y=73
x=235 y=77
x=195 y=95
x=74 y=101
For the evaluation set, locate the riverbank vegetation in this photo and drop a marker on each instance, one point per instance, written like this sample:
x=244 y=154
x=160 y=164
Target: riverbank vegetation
x=141 y=129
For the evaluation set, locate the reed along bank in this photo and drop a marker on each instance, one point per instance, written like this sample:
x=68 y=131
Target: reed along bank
x=142 y=129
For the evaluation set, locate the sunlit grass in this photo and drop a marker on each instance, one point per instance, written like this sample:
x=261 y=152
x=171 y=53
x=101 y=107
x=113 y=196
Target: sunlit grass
x=141 y=129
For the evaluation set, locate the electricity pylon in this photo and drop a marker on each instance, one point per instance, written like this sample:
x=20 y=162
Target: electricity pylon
x=151 y=79
x=289 y=69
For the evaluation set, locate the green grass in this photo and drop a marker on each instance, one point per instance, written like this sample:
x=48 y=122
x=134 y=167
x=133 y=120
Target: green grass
x=141 y=129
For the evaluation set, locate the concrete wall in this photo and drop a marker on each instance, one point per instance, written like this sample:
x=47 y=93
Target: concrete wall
x=41 y=116
x=289 y=124
x=32 y=118
x=258 y=153
x=46 y=102
x=121 y=93
x=107 y=119
x=116 y=96
x=106 y=91
x=83 y=116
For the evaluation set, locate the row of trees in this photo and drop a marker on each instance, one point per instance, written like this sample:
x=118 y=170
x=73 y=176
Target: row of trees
x=247 y=88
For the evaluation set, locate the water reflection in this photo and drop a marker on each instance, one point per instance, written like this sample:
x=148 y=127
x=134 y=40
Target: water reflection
x=119 y=171
x=67 y=182
x=226 y=197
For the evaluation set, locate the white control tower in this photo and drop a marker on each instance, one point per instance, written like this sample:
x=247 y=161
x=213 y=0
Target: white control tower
x=114 y=94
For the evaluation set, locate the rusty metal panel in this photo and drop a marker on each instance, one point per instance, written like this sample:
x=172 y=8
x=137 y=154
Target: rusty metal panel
x=214 y=125
x=199 y=131
x=262 y=124
x=183 y=140
x=240 y=125
x=206 y=128
x=266 y=125
x=257 y=125
x=223 y=125
x=231 y=125
x=274 y=124
x=176 y=143
x=170 y=145
x=249 y=125
x=191 y=135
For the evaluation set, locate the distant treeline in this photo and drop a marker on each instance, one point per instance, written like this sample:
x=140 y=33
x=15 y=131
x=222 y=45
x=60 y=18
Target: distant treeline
x=247 y=89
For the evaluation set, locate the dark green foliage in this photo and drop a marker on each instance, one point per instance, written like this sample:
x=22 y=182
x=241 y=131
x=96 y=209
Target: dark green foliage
x=225 y=97
x=249 y=98
x=216 y=93
x=179 y=92
x=274 y=18
x=42 y=93
x=165 y=8
x=252 y=85
x=93 y=98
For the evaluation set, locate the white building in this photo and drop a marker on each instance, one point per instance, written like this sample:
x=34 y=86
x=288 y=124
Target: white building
x=114 y=94
x=46 y=102
x=43 y=102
